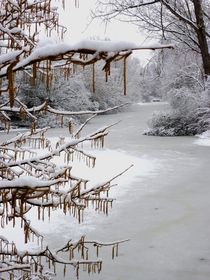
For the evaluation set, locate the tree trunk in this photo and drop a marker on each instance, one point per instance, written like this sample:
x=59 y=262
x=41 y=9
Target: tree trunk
x=201 y=35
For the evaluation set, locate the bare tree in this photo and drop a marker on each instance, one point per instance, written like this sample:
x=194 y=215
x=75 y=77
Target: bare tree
x=185 y=21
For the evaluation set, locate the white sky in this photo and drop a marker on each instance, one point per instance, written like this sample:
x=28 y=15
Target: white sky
x=77 y=19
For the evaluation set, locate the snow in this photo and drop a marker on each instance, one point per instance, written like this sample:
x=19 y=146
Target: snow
x=15 y=267
x=104 y=46
x=26 y=182
x=203 y=139
x=119 y=161
x=152 y=103
x=48 y=48
x=10 y=56
x=95 y=45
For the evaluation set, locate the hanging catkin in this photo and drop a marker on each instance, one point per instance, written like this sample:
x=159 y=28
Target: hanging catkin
x=124 y=76
x=34 y=74
x=93 y=77
x=10 y=77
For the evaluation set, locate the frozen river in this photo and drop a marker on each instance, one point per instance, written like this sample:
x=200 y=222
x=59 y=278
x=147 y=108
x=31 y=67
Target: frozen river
x=162 y=204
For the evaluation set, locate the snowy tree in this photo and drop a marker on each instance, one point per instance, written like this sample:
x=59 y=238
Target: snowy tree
x=179 y=80
x=111 y=92
x=182 y=21
x=168 y=70
x=177 y=76
x=185 y=91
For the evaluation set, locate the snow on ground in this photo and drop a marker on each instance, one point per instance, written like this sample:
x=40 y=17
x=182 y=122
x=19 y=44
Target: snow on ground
x=152 y=103
x=108 y=164
x=203 y=139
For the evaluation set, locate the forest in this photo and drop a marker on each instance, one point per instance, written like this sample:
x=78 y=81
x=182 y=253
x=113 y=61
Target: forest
x=48 y=83
x=180 y=76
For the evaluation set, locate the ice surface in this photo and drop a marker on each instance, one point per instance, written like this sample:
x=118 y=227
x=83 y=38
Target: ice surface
x=162 y=204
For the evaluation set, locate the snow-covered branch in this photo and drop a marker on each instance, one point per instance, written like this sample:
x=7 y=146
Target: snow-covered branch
x=35 y=173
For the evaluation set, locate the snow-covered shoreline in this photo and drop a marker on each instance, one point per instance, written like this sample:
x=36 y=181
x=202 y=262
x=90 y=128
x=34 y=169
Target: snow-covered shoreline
x=203 y=139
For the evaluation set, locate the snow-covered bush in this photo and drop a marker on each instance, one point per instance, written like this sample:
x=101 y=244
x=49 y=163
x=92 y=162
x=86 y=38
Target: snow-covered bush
x=172 y=69
x=185 y=100
x=110 y=92
x=71 y=94
x=175 y=124
x=76 y=92
x=183 y=87
x=189 y=114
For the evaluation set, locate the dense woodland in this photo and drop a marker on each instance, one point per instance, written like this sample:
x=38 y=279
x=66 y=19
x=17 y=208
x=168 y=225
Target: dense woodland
x=76 y=92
